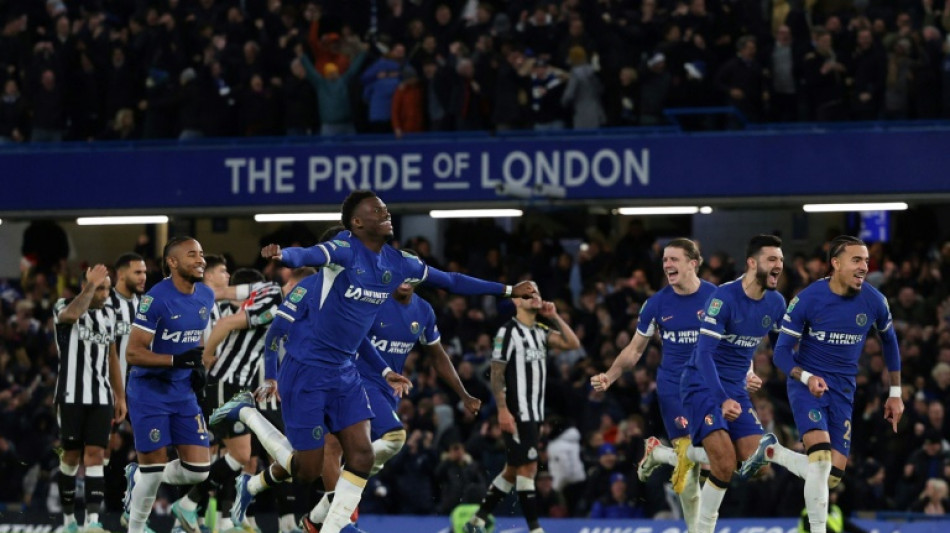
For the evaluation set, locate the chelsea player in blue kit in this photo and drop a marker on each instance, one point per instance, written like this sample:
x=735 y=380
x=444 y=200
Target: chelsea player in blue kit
x=332 y=313
x=163 y=353
x=675 y=312
x=829 y=321
x=713 y=385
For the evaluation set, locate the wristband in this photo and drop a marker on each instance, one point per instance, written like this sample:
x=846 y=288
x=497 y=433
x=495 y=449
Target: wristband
x=895 y=392
x=507 y=291
x=242 y=291
x=805 y=375
x=386 y=371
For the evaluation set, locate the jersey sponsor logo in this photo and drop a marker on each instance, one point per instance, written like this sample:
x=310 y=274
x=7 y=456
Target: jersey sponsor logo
x=714 y=307
x=341 y=244
x=145 y=303
x=791 y=305
x=414 y=327
x=743 y=341
x=861 y=319
x=766 y=321
x=392 y=346
x=123 y=328
x=297 y=294
x=534 y=354
x=833 y=337
x=94 y=337
x=689 y=336
x=366 y=295
x=187 y=336
x=387 y=276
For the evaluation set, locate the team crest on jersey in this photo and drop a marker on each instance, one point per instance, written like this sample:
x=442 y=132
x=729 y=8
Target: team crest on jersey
x=701 y=314
x=709 y=420
x=498 y=343
x=766 y=321
x=297 y=294
x=681 y=422
x=145 y=303
x=387 y=276
x=318 y=433
x=155 y=435
x=414 y=328
x=341 y=244
x=532 y=454
x=814 y=415
x=203 y=313
x=861 y=319
x=791 y=305
x=714 y=307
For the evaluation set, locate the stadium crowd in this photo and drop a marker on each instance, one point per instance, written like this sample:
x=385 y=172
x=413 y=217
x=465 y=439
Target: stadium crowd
x=591 y=441
x=118 y=69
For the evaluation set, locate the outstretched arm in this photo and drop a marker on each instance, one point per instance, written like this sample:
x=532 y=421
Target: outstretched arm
x=461 y=284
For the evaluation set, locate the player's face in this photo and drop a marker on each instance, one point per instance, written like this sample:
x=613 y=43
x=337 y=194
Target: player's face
x=677 y=267
x=101 y=294
x=404 y=291
x=769 y=265
x=134 y=277
x=534 y=303
x=374 y=218
x=189 y=261
x=851 y=267
x=217 y=277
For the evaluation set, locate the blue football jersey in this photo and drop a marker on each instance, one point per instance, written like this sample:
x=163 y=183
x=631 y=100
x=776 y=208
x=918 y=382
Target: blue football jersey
x=831 y=329
x=732 y=328
x=396 y=330
x=177 y=322
x=678 y=318
x=333 y=310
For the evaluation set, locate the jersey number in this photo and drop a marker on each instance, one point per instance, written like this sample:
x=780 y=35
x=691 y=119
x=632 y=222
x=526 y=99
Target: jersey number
x=847 y=430
x=202 y=428
x=755 y=416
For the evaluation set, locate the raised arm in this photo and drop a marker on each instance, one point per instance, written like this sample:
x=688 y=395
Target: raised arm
x=461 y=284
x=626 y=360
x=95 y=277
x=562 y=336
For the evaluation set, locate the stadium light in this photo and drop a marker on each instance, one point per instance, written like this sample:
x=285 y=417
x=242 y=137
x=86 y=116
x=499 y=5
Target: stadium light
x=849 y=208
x=669 y=210
x=705 y=210
x=110 y=221
x=475 y=213
x=297 y=217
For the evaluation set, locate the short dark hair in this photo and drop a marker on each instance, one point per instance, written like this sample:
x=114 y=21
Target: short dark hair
x=350 y=203
x=330 y=232
x=125 y=259
x=761 y=241
x=246 y=275
x=839 y=243
x=213 y=260
x=169 y=247
x=689 y=247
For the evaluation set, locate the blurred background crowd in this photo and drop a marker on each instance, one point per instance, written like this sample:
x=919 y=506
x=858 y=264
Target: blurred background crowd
x=591 y=441
x=131 y=69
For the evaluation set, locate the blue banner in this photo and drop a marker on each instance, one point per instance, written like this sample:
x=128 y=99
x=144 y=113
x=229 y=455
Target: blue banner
x=694 y=167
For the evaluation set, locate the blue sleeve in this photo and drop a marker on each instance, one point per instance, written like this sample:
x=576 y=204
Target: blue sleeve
x=710 y=334
x=430 y=334
x=275 y=334
x=646 y=325
x=793 y=326
x=149 y=313
x=368 y=352
x=337 y=252
x=889 y=344
x=461 y=284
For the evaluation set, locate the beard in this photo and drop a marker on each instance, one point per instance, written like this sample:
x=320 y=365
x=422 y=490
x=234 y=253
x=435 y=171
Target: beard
x=762 y=276
x=187 y=276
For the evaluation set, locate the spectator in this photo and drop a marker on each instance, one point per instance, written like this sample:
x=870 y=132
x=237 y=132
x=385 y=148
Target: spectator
x=13 y=116
x=616 y=504
x=547 y=86
x=379 y=81
x=824 y=78
x=742 y=81
x=584 y=92
x=333 y=96
x=407 y=113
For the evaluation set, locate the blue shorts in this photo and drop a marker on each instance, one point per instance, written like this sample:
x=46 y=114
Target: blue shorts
x=318 y=399
x=832 y=412
x=157 y=423
x=384 y=403
x=674 y=415
x=705 y=413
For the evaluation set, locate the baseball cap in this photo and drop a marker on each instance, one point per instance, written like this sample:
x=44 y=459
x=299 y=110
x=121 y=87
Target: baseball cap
x=606 y=448
x=617 y=476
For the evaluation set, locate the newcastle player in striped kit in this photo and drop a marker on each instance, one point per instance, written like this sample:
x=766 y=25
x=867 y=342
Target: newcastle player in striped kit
x=233 y=352
x=518 y=376
x=124 y=300
x=90 y=392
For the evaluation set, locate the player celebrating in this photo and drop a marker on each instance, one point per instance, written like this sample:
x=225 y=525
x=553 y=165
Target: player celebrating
x=829 y=320
x=722 y=419
x=333 y=312
x=163 y=351
x=676 y=311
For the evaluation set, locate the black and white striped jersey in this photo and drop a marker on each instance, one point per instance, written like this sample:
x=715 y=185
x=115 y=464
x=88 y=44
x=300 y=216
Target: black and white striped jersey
x=240 y=355
x=124 y=309
x=524 y=350
x=84 y=356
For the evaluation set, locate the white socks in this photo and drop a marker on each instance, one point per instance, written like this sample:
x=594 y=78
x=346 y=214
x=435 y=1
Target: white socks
x=816 y=494
x=697 y=454
x=318 y=514
x=796 y=463
x=665 y=455
x=709 y=501
x=143 y=496
x=271 y=438
x=689 y=498
x=349 y=490
x=179 y=473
